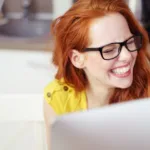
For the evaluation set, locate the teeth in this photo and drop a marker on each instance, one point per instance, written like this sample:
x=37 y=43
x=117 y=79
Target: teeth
x=121 y=70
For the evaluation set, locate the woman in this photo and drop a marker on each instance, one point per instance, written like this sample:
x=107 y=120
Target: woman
x=102 y=58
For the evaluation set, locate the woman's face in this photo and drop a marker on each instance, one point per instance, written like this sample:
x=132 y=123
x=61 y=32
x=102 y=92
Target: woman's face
x=117 y=72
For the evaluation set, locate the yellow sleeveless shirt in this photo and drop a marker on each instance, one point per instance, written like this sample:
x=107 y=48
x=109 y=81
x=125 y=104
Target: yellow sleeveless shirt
x=63 y=99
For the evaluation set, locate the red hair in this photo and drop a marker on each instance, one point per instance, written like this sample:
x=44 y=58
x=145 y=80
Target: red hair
x=71 y=32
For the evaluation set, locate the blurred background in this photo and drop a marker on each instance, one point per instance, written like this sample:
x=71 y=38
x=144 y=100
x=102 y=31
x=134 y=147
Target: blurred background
x=25 y=66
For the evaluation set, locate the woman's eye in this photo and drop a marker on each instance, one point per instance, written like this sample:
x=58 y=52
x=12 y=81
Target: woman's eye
x=109 y=51
x=130 y=42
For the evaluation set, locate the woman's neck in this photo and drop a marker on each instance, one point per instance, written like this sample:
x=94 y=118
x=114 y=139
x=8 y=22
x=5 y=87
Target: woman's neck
x=98 y=95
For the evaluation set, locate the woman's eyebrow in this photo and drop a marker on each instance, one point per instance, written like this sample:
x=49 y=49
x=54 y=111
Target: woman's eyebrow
x=119 y=41
x=128 y=37
x=113 y=42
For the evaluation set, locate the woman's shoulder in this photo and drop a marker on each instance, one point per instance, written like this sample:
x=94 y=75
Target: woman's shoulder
x=56 y=86
x=62 y=97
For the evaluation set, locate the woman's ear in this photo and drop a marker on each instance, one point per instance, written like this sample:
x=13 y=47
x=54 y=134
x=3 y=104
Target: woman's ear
x=77 y=58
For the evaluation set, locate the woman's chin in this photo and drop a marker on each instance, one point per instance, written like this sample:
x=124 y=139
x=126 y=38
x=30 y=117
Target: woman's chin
x=124 y=85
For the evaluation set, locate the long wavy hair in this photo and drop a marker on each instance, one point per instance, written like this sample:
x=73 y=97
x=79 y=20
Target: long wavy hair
x=71 y=31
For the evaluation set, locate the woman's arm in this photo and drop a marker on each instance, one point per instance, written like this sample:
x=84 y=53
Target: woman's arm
x=49 y=116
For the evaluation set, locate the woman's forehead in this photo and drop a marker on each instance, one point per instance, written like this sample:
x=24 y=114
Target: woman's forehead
x=108 y=29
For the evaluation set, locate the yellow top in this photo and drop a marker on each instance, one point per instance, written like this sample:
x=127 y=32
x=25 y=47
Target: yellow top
x=63 y=98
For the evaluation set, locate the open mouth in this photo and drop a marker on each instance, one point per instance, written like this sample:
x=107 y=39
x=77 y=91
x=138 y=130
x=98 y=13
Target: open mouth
x=122 y=71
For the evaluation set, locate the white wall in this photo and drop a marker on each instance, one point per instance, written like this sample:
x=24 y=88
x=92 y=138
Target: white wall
x=60 y=7
x=1 y=4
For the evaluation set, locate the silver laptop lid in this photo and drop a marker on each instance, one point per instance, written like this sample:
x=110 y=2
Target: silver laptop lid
x=125 y=126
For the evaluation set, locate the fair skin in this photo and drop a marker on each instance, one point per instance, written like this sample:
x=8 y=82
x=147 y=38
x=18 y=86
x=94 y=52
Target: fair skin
x=106 y=75
x=49 y=115
x=103 y=75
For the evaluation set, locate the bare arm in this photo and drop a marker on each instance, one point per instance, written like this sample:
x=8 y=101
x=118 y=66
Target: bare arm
x=49 y=115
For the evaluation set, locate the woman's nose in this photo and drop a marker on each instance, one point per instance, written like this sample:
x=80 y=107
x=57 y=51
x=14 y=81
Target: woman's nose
x=125 y=55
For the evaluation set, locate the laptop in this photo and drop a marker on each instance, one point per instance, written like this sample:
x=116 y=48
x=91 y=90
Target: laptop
x=123 y=126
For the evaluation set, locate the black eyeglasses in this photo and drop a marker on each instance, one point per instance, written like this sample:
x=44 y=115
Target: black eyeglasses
x=112 y=50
